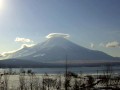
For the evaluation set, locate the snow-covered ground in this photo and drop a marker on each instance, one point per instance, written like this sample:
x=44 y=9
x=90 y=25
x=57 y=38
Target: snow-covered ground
x=15 y=81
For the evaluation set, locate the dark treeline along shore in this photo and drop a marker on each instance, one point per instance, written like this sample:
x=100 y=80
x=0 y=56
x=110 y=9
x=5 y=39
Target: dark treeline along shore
x=15 y=63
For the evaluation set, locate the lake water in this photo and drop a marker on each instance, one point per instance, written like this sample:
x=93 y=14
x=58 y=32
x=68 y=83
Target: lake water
x=85 y=70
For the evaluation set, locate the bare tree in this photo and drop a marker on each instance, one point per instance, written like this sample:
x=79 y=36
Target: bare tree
x=22 y=81
x=6 y=79
x=59 y=83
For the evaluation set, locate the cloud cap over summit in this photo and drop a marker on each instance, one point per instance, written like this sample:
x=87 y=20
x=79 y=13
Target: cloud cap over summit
x=51 y=35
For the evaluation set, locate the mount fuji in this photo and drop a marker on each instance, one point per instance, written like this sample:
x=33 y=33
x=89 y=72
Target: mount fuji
x=55 y=50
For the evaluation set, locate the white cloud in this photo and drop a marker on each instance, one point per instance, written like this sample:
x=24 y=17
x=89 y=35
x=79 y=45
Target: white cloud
x=92 y=45
x=57 y=35
x=10 y=52
x=112 y=44
x=23 y=40
x=26 y=45
x=1 y=55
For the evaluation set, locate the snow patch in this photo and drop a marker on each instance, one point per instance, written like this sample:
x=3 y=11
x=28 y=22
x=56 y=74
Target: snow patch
x=39 y=55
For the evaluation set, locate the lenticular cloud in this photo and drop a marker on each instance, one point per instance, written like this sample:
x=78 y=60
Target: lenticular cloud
x=51 y=35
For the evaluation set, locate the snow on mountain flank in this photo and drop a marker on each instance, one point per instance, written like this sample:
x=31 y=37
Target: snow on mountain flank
x=55 y=49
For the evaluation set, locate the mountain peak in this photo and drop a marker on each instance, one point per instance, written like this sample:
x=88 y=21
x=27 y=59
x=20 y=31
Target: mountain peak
x=55 y=48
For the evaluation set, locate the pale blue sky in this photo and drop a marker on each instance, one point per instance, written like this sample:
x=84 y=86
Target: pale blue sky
x=87 y=21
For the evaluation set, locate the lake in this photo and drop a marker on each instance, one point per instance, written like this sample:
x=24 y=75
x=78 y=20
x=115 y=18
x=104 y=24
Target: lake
x=85 y=70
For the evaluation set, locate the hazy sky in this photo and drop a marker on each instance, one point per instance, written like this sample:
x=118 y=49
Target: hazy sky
x=94 y=24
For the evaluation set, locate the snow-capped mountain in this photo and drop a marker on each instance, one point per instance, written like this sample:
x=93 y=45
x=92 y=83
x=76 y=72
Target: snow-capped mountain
x=56 y=49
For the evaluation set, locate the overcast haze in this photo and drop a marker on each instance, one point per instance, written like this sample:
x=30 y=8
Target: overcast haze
x=94 y=24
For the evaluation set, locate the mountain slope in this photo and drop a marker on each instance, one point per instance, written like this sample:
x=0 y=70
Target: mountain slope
x=56 y=49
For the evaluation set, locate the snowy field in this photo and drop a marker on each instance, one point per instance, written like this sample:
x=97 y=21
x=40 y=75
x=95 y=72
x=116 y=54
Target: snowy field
x=14 y=79
x=26 y=81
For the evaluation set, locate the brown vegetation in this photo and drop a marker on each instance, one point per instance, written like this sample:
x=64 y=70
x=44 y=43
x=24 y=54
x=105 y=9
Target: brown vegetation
x=28 y=80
